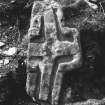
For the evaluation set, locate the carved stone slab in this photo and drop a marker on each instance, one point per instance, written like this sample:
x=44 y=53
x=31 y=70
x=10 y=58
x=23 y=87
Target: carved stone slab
x=50 y=52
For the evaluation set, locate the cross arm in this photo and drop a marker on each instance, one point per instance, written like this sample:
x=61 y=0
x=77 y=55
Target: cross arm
x=68 y=66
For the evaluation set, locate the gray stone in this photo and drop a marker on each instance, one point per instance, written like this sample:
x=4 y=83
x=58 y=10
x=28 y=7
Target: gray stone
x=11 y=51
x=53 y=55
x=2 y=44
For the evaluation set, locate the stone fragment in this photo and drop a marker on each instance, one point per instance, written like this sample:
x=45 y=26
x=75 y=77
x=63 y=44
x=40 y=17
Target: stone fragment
x=11 y=51
x=6 y=61
x=93 y=6
x=2 y=44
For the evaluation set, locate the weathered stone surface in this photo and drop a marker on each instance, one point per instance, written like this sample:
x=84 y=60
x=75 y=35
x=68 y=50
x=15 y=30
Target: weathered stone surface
x=10 y=51
x=82 y=86
x=53 y=55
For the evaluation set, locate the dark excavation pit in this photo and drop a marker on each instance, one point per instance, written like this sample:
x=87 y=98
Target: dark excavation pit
x=88 y=81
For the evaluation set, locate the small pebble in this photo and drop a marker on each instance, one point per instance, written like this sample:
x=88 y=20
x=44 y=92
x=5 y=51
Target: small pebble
x=12 y=1
x=0 y=75
x=6 y=61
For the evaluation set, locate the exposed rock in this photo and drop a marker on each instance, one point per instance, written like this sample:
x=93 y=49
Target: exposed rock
x=2 y=44
x=10 y=51
x=6 y=61
x=80 y=86
x=1 y=63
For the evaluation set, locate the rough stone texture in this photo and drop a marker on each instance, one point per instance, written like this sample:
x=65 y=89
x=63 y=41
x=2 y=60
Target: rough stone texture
x=81 y=86
x=53 y=56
